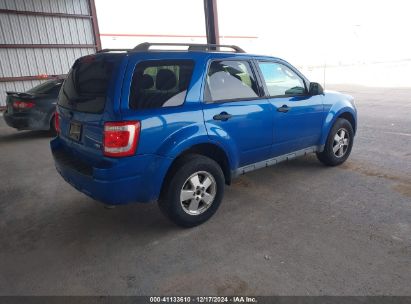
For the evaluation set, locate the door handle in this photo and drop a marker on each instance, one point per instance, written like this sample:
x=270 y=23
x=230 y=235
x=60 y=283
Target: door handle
x=284 y=109
x=224 y=116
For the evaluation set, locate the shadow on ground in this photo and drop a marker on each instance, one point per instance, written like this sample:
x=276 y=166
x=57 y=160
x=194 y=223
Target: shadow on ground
x=24 y=136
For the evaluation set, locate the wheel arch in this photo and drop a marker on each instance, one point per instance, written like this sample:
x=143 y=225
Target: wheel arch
x=346 y=113
x=210 y=150
x=350 y=117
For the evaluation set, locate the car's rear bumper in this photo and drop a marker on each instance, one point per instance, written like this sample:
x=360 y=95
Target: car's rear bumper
x=27 y=121
x=122 y=181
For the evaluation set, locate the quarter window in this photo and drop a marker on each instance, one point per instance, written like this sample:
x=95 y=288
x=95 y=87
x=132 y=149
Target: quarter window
x=280 y=80
x=158 y=84
x=227 y=80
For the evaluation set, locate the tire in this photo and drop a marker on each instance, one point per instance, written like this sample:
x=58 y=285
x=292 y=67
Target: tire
x=197 y=176
x=338 y=145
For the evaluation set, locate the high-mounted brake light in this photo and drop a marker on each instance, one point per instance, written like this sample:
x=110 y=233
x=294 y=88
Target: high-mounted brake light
x=57 y=122
x=121 y=138
x=21 y=105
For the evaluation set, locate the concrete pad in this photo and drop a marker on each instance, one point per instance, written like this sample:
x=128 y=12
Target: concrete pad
x=297 y=228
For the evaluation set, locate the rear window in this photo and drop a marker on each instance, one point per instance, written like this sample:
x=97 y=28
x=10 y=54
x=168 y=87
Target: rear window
x=85 y=88
x=51 y=87
x=158 y=84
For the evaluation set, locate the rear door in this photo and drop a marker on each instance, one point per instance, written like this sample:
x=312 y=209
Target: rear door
x=297 y=116
x=88 y=99
x=234 y=109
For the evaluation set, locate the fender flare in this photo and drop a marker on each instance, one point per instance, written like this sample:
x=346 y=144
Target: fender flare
x=332 y=117
x=187 y=138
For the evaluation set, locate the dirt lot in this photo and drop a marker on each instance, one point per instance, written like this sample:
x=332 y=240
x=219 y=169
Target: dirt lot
x=298 y=228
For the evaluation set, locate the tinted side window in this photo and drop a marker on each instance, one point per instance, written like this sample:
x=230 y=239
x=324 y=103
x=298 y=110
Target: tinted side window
x=280 y=80
x=157 y=84
x=230 y=80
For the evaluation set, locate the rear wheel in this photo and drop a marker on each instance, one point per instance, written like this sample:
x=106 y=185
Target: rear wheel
x=339 y=143
x=193 y=192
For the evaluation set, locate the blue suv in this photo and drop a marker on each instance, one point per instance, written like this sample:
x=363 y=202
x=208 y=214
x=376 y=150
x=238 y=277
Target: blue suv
x=175 y=126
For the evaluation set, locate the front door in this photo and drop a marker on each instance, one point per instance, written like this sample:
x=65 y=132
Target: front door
x=297 y=116
x=235 y=113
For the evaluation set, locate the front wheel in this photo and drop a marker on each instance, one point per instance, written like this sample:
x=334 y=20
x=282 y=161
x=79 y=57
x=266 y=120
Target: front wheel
x=194 y=191
x=339 y=143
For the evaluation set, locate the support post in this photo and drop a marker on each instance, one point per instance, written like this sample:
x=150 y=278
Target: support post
x=93 y=14
x=211 y=21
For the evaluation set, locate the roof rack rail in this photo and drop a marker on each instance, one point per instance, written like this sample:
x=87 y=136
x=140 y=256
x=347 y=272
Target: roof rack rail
x=145 y=46
x=113 y=50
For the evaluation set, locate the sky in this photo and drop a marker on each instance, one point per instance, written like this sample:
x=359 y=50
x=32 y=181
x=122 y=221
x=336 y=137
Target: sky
x=306 y=33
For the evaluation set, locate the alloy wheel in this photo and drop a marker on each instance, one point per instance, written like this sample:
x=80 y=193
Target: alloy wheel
x=341 y=142
x=198 y=193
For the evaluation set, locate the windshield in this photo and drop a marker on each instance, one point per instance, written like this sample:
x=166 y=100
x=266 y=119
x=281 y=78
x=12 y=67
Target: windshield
x=86 y=86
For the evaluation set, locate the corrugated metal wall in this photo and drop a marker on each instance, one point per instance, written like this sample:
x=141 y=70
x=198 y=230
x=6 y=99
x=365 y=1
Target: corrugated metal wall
x=50 y=6
x=43 y=37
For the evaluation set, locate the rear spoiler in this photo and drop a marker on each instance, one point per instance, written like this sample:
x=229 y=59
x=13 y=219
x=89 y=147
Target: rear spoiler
x=17 y=94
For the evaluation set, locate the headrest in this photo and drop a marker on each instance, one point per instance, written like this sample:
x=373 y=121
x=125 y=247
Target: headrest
x=165 y=80
x=147 y=82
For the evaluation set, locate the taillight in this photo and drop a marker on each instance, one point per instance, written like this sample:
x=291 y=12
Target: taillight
x=21 y=105
x=57 y=121
x=121 y=138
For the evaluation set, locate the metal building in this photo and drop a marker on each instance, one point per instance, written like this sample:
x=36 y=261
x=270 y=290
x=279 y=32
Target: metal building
x=40 y=39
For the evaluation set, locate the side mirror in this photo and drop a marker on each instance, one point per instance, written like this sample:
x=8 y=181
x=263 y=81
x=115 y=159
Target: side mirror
x=316 y=89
